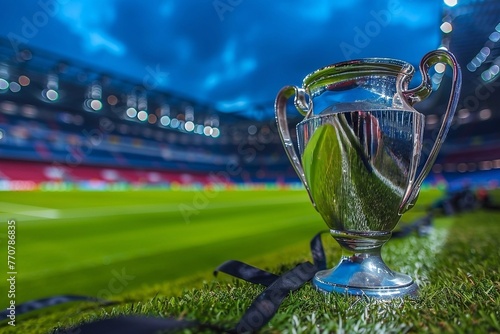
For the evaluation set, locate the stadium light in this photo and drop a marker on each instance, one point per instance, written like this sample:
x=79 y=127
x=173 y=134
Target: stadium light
x=165 y=120
x=199 y=129
x=440 y=67
x=491 y=73
x=450 y=3
x=479 y=59
x=4 y=76
x=4 y=84
x=96 y=105
x=112 y=100
x=174 y=123
x=24 y=80
x=494 y=37
x=14 y=87
x=142 y=106
x=252 y=129
x=94 y=96
x=462 y=167
x=189 y=126
x=189 y=113
x=181 y=126
x=215 y=132
x=437 y=168
x=436 y=80
x=142 y=115
x=214 y=121
x=165 y=110
x=485 y=165
x=51 y=92
x=484 y=53
x=131 y=112
x=207 y=130
x=463 y=113
x=446 y=27
x=152 y=118
x=485 y=114
x=431 y=119
x=95 y=91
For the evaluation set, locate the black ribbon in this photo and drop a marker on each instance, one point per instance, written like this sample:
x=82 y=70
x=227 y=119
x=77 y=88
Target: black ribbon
x=421 y=226
x=255 y=275
x=138 y=324
x=265 y=306
x=246 y=272
x=37 y=304
x=317 y=250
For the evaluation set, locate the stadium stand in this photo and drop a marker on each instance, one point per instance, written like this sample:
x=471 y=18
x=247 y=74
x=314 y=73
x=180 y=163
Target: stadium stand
x=60 y=122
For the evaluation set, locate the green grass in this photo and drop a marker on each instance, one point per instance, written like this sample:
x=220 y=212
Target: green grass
x=457 y=267
x=145 y=234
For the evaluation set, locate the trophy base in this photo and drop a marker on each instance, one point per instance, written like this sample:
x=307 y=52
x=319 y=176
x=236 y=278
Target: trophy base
x=365 y=275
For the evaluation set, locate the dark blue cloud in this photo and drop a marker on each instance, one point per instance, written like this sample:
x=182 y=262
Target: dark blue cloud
x=231 y=53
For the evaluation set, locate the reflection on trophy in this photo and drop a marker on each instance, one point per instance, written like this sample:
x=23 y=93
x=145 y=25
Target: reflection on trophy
x=358 y=159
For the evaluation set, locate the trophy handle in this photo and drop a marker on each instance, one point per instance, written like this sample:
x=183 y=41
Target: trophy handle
x=303 y=107
x=418 y=94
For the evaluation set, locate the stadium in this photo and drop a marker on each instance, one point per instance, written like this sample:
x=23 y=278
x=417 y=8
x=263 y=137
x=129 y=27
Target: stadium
x=140 y=151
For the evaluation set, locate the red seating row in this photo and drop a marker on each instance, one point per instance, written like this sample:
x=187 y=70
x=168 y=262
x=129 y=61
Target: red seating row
x=44 y=172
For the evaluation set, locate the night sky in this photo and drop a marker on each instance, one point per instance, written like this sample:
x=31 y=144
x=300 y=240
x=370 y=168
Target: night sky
x=229 y=53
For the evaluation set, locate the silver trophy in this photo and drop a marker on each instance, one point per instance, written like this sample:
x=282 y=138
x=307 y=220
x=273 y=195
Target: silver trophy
x=358 y=159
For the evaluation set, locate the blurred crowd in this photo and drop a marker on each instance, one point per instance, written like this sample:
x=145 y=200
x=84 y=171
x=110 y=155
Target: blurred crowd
x=465 y=199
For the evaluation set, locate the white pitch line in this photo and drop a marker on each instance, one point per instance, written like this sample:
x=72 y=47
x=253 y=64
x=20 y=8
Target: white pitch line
x=29 y=210
x=165 y=208
x=45 y=213
x=424 y=255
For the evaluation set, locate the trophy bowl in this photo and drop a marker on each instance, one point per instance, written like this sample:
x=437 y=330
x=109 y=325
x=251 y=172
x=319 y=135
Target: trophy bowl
x=358 y=158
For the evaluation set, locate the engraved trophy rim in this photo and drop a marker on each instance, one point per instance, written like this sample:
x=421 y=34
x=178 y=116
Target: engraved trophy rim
x=321 y=116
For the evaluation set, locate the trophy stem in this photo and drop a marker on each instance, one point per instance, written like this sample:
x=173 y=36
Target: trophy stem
x=361 y=270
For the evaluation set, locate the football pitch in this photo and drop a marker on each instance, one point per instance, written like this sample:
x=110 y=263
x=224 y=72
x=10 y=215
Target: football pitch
x=153 y=252
x=75 y=242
